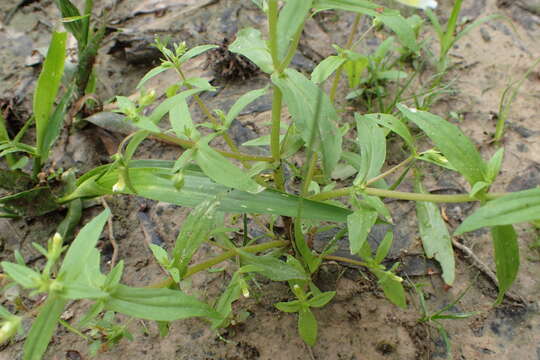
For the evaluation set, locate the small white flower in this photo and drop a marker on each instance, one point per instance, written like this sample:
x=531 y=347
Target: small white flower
x=421 y=4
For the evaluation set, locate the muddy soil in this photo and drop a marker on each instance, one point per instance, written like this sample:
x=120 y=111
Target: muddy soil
x=359 y=324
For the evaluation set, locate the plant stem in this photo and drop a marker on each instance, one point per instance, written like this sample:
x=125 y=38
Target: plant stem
x=401 y=195
x=344 y=259
x=272 y=32
x=309 y=173
x=211 y=117
x=189 y=144
x=390 y=171
x=277 y=103
x=350 y=40
x=220 y=258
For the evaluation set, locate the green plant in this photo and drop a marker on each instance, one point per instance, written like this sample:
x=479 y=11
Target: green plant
x=88 y=41
x=444 y=313
x=206 y=178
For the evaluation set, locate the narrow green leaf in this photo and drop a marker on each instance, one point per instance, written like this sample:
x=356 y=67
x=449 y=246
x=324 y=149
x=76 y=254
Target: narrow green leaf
x=43 y=328
x=196 y=51
x=359 y=224
x=401 y=27
x=82 y=246
x=372 y=142
x=518 y=207
x=181 y=121
x=289 y=306
x=22 y=275
x=250 y=44
x=171 y=102
x=68 y=10
x=77 y=290
x=271 y=267
x=392 y=287
x=384 y=247
x=222 y=171
x=47 y=88
x=154 y=72
x=241 y=103
x=153 y=180
x=435 y=237
x=200 y=83
x=291 y=19
x=302 y=97
x=322 y=299
x=395 y=125
x=230 y=295
x=196 y=229
x=506 y=249
x=494 y=165
x=326 y=68
x=389 y=17
x=451 y=141
x=157 y=304
x=354 y=68
x=307 y=326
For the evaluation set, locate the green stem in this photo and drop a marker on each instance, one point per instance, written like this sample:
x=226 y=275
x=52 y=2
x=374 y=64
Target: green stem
x=192 y=270
x=345 y=260
x=350 y=40
x=309 y=174
x=211 y=117
x=401 y=195
x=272 y=32
x=390 y=171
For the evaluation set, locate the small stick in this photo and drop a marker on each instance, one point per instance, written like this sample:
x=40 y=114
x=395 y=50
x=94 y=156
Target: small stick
x=111 y=235
x=480 y=265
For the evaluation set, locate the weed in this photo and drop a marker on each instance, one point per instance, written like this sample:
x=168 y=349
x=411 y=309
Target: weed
x=205 y=178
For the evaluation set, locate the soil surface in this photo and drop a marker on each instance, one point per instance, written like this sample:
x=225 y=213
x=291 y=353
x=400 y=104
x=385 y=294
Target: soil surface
x=359 y=324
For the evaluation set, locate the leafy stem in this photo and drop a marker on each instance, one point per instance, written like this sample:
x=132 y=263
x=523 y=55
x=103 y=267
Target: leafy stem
x=337 y=77
x=189 y=144
x=192 y=270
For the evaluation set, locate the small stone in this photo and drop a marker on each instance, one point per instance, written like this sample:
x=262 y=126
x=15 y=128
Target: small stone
x=485 y=35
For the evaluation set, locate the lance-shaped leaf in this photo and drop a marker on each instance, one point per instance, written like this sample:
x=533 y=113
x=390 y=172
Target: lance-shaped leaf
x=302 y=97
x=81 y=248
x=250 y=44
x=518 y=207
x=271 y=267
x=222 y=171
x=42 y=329
x=153 y=179
x=241 y=103
x=372 y=142
x=291 y=19
x=326 y=68
x=195 y=230
x=389 y=17
x=395 y=125
x=157 y=304
x=47 y=88
x=196 y=51
x=451 y=141
x=435 y=237
x=359 y=224
x=506 y=257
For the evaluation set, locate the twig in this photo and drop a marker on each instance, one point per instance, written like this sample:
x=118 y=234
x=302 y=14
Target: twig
x=480 y=265
x=310 y=352
x=111 y=235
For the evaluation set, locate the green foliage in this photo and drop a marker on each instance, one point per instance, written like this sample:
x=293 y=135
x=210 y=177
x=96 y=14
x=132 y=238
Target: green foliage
x=216 y=182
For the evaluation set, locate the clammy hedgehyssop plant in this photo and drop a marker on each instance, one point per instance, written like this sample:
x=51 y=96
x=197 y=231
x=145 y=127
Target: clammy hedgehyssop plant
x=216 y=182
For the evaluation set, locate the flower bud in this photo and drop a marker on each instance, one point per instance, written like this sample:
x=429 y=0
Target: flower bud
x=8 y=328
x=178 y=180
